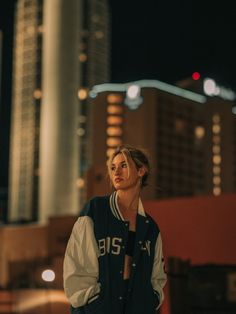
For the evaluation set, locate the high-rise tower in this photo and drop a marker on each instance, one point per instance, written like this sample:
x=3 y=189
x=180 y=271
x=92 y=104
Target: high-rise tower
x=26 y=102
x=93 y=67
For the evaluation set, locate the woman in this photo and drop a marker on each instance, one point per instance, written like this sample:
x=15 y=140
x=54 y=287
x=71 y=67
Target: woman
x=113 y=261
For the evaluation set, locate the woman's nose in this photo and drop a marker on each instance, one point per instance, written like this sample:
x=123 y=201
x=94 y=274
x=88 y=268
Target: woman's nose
x=117 y=170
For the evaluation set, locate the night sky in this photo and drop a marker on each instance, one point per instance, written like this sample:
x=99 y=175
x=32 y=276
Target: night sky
x=152 y=39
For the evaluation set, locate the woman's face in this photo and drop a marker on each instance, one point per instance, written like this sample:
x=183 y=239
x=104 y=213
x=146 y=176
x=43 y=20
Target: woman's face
x=124 y=176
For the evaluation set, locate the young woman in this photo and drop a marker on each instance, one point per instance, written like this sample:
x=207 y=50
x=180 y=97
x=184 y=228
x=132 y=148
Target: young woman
x=114 y=262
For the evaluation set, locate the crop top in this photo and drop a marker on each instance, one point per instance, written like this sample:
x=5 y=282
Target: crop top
x=130 y=243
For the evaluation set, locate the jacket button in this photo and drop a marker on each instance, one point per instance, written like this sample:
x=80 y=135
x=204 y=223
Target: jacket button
x=134 y=265
x=120 y=298
x=121 y=271
x=147 y=221
x=140 y=242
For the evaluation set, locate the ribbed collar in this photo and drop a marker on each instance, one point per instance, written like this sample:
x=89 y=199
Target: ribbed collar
x=115 y=208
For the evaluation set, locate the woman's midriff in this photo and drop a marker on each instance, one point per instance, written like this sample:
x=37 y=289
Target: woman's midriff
x=127 y=266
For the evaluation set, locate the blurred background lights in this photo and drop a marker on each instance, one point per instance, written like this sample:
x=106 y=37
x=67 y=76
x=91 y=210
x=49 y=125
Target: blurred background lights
x=48 y=275
x=80 y=131
x=37 y=93
x=83 y=57
x=80 y=183
x=133 y=91
x=114 y=98
x=82 y=93
x=196 y=76
x=133 y=99
x=199 y=132
x=210 y=87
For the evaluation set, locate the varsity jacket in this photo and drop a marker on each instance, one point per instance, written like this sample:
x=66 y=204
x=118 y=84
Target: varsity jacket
x=94 y=262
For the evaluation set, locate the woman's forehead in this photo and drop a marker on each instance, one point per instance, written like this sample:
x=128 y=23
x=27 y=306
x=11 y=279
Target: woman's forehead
x=119 y=158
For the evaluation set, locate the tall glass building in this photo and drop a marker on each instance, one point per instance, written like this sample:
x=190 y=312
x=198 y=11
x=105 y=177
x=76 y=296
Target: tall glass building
x=93 y=60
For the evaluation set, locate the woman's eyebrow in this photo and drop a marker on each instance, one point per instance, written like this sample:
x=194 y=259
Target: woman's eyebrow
x=119 y=163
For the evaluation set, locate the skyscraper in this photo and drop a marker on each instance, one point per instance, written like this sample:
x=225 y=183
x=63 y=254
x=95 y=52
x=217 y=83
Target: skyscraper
x=93 y=65
x=26 y=102
x=190 y=137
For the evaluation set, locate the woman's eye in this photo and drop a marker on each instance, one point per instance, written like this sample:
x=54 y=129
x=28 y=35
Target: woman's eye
x=124 y=166
x=113 y=168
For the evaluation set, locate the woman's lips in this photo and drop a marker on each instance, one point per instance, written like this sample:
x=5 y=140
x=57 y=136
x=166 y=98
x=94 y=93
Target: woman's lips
x=117 y=180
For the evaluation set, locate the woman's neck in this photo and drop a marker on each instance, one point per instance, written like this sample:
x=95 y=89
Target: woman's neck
x=128 y=200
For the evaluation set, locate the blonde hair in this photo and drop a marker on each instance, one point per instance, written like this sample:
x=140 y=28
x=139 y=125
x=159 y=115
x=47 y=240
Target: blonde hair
x=137 y=155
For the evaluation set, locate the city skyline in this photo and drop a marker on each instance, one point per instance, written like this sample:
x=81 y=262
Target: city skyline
x=154 y=42
x=142 y=47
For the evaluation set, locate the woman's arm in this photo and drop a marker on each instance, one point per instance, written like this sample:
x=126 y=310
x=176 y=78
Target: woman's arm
x=80 y=269
x=159 y=276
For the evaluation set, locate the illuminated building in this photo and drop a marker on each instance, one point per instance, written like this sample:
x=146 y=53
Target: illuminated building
x=93 y=68
x=94 y=60
x=26 y=101
x=189 y=137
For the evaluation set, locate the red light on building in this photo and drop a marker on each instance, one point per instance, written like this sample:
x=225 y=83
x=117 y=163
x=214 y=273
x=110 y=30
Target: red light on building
x=196 y=76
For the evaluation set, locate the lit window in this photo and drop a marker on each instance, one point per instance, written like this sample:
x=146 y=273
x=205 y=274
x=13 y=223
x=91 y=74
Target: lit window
x=113 y=141
x=217 y=191
x=216 y=170
x=80 y=132
x=80 y=183
x=110 y=151
x=216 y=180
x=216 y=128
x=83 y=57
x=216 y=149
x=114 y=98
x=114 y=120
x=113 y=109
x=114 y=131
x=82 y=93
x=199 y=132
x=216 y=139
x=37 y=94
x=217 y=159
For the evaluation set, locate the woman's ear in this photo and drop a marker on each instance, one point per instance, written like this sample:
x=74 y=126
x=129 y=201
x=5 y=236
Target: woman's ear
x=142 y=171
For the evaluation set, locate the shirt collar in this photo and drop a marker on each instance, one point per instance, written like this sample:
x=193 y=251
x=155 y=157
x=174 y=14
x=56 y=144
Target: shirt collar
x=115 y=208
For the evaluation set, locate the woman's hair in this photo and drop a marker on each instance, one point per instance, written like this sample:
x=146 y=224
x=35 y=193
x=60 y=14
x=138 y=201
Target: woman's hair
x=137 y=155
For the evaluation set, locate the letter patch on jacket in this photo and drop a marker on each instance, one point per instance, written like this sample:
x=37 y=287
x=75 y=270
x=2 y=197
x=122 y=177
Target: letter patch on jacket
x=110 y=245
x=146 y=246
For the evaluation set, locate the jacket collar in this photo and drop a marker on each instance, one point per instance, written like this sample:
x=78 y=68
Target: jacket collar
x=115 y=208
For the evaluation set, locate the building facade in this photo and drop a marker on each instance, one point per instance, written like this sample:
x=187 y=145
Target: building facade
x=25 y=117
x=93 y=67
x=189 y=136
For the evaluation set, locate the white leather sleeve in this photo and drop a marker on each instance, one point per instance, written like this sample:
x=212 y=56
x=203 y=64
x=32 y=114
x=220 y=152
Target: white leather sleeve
x=159 y=276
x=80 y=267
